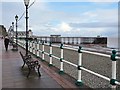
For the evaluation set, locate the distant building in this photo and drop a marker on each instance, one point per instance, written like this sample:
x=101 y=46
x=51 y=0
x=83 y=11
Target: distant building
x=87 y=40
x=2 y=31
x=91 y=41
x=11 y=33
x=23 y=33
x=55 y=38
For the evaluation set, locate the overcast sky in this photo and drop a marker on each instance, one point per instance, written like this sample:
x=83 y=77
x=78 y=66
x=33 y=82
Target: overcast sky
x=65 y=17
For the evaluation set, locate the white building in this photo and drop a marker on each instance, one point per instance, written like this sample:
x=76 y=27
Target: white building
x=23 y=33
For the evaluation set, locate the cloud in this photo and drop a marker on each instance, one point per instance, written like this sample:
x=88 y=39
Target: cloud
x=86 y=21
x=61 y=28
x=63 y=0
x=103 y=0
x=64 y=27
x=40 y=5
x=93 y=32
x=77 y=0
x=0 y=13
x=101 y=15
x=94 y=25
x=108 y=15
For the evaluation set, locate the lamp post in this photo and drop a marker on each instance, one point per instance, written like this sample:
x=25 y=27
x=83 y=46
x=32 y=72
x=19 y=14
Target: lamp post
x=26 y=2
x=12 y=37
x=16 y=18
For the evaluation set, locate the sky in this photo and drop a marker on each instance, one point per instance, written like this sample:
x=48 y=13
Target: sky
x=65 y=17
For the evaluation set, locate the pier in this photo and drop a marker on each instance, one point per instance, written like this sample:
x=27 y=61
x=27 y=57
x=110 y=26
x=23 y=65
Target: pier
x=102 y=41
x=59 y=45
x=14 y=77
x=93 y=69
x=87 y=68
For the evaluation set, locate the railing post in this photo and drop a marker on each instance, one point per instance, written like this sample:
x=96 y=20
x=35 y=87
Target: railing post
x=79 y=81
x=43 y=56
x=37 y=49
x=31 y=47
x=34 y=48
x=50 y=55
x=28 y=45
x=61 y=62
x=113 y=79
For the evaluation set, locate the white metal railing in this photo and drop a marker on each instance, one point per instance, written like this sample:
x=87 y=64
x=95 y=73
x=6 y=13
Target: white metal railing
x=34 y=47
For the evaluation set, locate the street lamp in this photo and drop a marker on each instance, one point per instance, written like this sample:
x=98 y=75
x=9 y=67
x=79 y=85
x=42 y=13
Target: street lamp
x=12 y=31
x=16 y=18
x=26 y=2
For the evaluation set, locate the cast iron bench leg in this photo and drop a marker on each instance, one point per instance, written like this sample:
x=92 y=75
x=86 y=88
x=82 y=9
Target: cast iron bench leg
x=39 y=71
x=23 y=65
x=29 y=72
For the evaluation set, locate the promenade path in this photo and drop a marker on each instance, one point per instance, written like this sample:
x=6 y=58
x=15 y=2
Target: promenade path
x=15 y=77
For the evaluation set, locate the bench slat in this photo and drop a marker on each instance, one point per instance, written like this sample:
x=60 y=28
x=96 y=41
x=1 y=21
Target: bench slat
x=31 y=63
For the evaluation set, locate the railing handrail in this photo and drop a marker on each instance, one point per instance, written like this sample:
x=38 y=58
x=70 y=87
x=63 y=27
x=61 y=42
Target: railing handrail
x=112 y=80
x=86 y=51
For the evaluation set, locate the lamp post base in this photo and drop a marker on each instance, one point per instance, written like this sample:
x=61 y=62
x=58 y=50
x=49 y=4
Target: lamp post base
x=15 y=47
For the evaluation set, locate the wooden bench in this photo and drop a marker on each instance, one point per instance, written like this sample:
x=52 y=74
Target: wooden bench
x=32 y=64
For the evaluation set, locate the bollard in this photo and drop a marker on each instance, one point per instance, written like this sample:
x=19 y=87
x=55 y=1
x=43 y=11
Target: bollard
x=112 y=81
x=79 y=81
x=50 y=55
x=61 y=62
x=43 y=56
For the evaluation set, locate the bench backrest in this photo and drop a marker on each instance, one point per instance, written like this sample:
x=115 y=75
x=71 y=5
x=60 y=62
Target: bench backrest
x=29 y=61
x=25 y=58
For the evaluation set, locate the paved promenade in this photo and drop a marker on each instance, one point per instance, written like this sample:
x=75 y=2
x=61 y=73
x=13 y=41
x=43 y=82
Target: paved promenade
x=15 y=77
